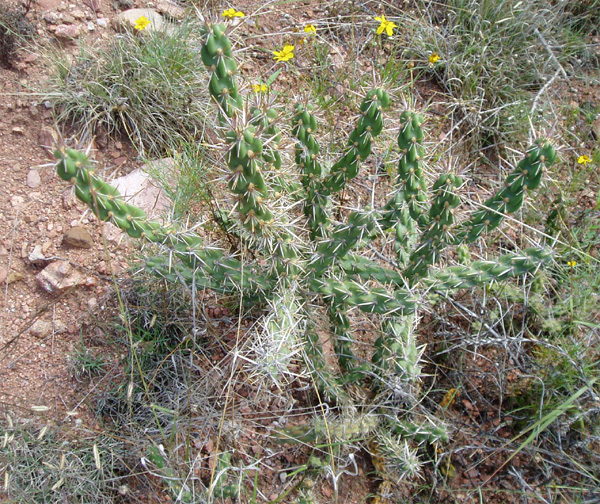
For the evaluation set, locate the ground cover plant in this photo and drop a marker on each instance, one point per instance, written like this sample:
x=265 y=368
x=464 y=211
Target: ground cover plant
x=146 y=87
x=299 y=338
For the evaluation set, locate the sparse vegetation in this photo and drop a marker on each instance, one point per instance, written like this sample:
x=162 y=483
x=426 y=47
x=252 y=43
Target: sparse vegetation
x=148 y=88
x=15 y=28
x=299 y=324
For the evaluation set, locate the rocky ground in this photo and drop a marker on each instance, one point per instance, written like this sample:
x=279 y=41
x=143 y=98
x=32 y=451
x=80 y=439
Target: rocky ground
x=56 y=261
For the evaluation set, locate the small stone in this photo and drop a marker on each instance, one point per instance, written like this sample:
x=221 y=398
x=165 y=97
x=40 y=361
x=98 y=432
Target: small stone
x=17 y=202
x=78 y=237
x=3 y=274
x=327 y=491
x=15 y=276
x=78 y=14
x=57 y=277
x=47 y=136
x=68 y=19
x=3 y=251
x=170 y=9
x=37 y=256
x=41 y=329
x=51 y=17
x=46 y=246
x=91 y=26
x=17 y=130
x=92 y=303
x=124 y=4
x=102 y=22
x=67 y=32
x=33 y=179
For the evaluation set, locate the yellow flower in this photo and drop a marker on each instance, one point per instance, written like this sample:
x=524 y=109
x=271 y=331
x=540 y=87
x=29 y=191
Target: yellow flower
x=310 y=29
x=386 y=26
x=232 y=13
x=141 y=23
x=433 y=58
x=286 y=54
x=584 y=160
x=260 y=88
x=572 y=263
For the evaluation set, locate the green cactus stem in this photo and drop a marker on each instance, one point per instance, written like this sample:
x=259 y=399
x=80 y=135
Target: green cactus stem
x=316 y=199
x=526 y=176
x=410 y=172
x=359 y=145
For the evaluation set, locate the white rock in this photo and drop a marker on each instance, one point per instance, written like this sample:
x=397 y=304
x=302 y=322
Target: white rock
x=102 y=22
x=58 y=277
x=68 y=32
x=128 y=19
x=17 y=202
x=137 y=188
x=37 y=256
x=33 y=179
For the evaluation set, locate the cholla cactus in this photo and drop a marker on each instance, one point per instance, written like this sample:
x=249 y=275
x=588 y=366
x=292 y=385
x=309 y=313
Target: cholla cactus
x=322 y=260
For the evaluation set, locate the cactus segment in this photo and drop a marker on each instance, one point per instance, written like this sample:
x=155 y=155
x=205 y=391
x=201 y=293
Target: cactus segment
x=410 y=173
x=376 y=300
x=396 y=352
x=440 y=231
x=217 y=56
x=482 y=272
x=316 y=201
x=358 y=149
x=360 y=267
x=344 y=238
x=527 y=175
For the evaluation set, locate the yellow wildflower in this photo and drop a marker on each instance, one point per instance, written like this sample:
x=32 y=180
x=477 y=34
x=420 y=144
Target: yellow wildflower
x=141 y=23
x=434 y=58
x=386 y=26
x=259 y=88
x=286 y=54
x=232 y=13
x=310 y=29
x=584 y=160
x=572 y=263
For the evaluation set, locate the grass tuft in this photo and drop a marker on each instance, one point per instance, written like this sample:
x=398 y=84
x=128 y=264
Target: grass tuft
x=148 y=88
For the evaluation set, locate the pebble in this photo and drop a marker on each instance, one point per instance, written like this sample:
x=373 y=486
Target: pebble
x=170 y=9
x=68 y=32
x=17 y=130
x=15 y=276
x=78 y=237
x=37 y=256
x=3 y=274
x=102 y=22
x=41 y=329
x=51 y=17
x=57 y=277
x=17 y=202
x=33 y=179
